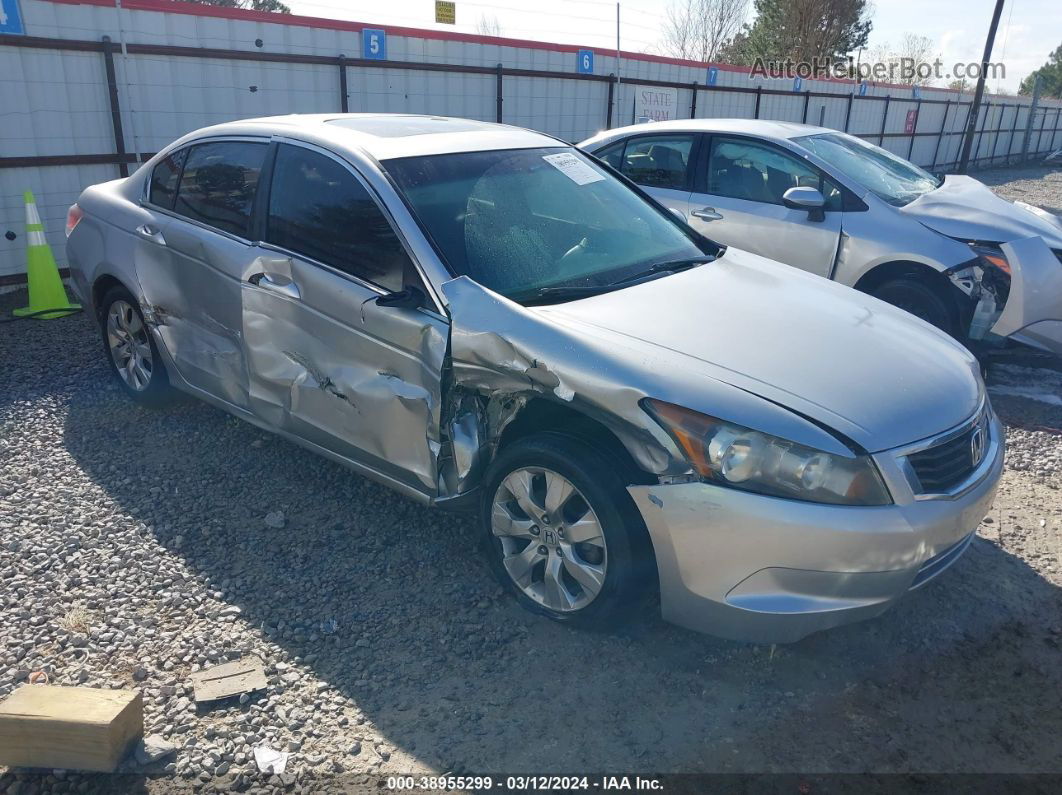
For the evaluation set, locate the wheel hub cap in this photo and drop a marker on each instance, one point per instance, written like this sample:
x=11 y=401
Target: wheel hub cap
x=550 y=539
x=128 y=343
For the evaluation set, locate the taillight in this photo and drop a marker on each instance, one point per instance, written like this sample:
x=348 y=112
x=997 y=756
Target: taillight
x=73 y=217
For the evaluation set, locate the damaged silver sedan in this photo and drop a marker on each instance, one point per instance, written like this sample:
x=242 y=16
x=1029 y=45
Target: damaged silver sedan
x=944 y=248
x=486 y=319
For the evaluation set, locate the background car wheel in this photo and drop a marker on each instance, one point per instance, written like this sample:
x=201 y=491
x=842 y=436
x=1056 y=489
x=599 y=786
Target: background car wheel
x=561 y=532
x=131 y=351
x=921 y=300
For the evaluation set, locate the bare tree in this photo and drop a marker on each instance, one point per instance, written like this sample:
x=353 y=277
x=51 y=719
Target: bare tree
x=910 y=63
x=697 y=29
x=488 y=26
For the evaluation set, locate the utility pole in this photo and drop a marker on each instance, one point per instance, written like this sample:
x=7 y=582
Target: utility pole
x=971 y=122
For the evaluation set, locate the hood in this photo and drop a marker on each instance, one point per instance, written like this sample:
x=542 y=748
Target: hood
x=847 y=361
x=966 y=209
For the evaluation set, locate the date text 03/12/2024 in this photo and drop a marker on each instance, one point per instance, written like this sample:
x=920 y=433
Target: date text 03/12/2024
x=523 y=783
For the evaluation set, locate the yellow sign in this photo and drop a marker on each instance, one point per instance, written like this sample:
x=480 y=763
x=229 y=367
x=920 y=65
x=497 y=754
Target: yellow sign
x=445 y=13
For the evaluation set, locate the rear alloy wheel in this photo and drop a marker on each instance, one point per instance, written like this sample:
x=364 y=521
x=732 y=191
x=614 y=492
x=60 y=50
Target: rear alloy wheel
x=919 y=299
x=561 y=531
x=131 y=350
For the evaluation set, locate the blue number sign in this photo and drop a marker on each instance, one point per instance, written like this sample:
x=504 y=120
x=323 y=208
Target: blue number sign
x=11 y=17
x=374 y=44
x=713 y=75
x=862 y=89
x=798 y=83
x=585 y=64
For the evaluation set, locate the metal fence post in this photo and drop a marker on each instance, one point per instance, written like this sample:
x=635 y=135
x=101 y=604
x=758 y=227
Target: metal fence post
x=884 y=120
x=914 y=129
x=848 y=110
x=343 y=103
x=1032 y=115
x=693 y=102
x=499 y=99
x=981 y=131
x=807 y=99
x=611 y=100
x=116 y=111
x=759 y=93
x=940 y=135
x=1013 y=132
x=999 y=129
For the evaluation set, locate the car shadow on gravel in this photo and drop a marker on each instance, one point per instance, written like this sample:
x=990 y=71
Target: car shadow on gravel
x=390 y=604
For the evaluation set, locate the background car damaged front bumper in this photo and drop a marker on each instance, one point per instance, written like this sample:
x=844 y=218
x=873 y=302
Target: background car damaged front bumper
x=1033 y=312
x=755 y=568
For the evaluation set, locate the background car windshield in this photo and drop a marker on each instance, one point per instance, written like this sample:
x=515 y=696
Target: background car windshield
x=883 y=173
x=520 y=220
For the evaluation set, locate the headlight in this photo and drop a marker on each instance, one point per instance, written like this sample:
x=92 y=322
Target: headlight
x=991 y=255
x=732 y=455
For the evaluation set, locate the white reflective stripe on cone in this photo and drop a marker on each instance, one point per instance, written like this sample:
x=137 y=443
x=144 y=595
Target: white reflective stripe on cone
x=32 y=216
x=37 y=239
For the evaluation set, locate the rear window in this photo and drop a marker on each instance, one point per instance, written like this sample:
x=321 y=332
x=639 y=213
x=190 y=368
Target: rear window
x=218 y=184
x=164 y=179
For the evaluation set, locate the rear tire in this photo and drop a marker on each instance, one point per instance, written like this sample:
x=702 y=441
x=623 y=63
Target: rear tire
x=131 y=351
x=921 y=300
x=562 y=534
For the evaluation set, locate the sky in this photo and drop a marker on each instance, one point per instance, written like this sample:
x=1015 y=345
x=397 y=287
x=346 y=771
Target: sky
x=1028 y=30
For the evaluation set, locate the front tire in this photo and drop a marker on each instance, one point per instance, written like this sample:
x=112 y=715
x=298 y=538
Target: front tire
x=562 y=533
x=131 y=351
x=921 y=300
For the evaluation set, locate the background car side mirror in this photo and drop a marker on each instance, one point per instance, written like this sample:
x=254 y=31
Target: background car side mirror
x=805 y=198
x=409 y=297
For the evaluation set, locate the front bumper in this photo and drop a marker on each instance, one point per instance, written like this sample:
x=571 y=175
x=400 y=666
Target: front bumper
x=1033 y=313
x=755 y=568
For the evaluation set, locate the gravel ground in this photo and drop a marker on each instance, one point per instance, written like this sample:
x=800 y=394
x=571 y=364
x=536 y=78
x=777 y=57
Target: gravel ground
x=135 y=549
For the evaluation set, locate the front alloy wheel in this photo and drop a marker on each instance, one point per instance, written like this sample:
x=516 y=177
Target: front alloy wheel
x=562 y=533
x=551 y=540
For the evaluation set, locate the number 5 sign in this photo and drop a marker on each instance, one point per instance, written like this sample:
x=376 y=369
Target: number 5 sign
x=585 y=66
x=374 y=44
x=10 y=18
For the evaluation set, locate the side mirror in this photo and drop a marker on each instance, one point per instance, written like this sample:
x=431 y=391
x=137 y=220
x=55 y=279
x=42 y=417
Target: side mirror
x=805 y=198
x=409 y=297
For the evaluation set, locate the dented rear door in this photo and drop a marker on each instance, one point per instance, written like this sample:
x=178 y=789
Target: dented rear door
x=327 y=362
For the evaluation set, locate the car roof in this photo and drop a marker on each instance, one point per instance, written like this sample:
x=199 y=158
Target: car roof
x=761 y=128
x=385 y=136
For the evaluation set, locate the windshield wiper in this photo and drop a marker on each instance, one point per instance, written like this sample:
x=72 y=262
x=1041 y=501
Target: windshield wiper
x=670 y=266
x=561 y=293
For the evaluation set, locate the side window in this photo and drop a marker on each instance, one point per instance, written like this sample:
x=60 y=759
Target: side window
x=743 y=169
x=164 y=179
x=319 y=209
x=218 y=184
x=612 y=154
x=658 y=161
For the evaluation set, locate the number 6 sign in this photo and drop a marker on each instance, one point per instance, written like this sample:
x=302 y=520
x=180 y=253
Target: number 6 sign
x=374 y=44
x=585 y=64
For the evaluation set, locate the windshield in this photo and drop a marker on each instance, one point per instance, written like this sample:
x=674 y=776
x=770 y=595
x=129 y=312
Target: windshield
x=890 y=177
x=518 y=221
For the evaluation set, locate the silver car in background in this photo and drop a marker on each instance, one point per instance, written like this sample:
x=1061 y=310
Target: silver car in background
x=485 y=318
x=945 y=249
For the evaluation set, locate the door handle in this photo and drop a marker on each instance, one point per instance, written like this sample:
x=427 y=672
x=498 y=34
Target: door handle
x=706 y=214
x=151 y=232
x=266 y=282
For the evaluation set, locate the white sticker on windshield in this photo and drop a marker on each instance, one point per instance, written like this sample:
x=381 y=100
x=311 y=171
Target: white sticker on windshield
x=573 y=168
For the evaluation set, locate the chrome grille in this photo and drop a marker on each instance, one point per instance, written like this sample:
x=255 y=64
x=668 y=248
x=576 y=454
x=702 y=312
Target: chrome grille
x=944 y=466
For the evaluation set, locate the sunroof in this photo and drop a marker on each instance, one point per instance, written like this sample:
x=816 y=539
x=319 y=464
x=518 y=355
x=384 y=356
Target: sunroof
x=402 y=126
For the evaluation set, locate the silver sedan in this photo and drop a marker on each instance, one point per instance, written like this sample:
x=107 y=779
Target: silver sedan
x=487 y=319
x=946 y=249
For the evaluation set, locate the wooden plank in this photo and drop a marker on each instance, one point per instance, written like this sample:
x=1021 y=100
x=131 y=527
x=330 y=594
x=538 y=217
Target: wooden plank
x=229 y=679
x=73 y=728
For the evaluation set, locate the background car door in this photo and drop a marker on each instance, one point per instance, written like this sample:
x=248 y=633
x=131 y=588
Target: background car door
x=662 y=164
x=328 y=363
x=193 y=291
x=738 y=201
